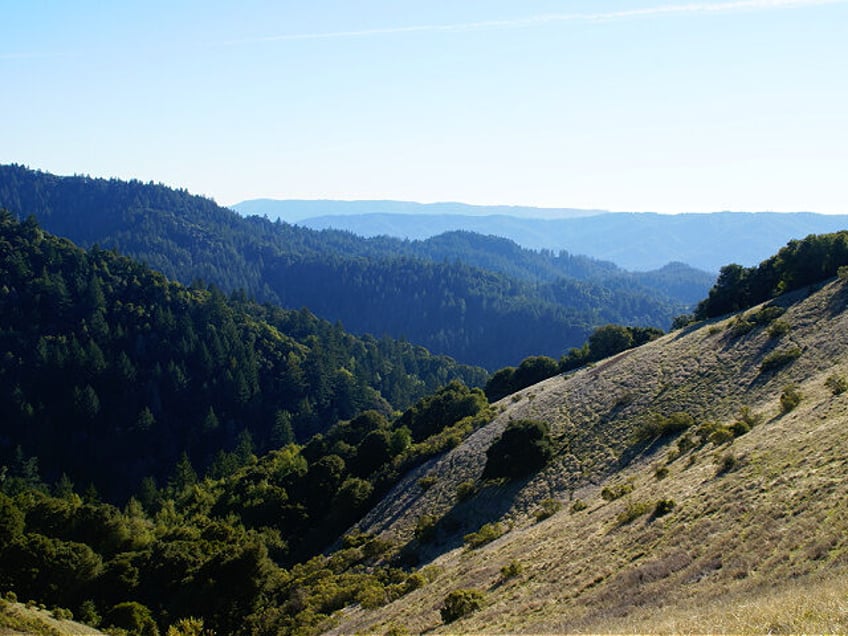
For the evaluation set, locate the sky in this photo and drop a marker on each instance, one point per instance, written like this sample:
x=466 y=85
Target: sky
x=636 y=105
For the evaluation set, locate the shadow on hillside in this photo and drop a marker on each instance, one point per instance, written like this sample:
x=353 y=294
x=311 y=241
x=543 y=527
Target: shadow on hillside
x=489 y=504
x=838 y=302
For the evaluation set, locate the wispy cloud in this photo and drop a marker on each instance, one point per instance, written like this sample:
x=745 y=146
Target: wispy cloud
x=539 y=20
x=23 y=55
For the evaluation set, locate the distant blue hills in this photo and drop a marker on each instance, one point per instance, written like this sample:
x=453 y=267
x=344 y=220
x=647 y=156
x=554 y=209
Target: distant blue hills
x=636 y=241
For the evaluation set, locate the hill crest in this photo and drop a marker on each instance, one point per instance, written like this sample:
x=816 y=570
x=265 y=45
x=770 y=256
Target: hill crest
x=753 y=517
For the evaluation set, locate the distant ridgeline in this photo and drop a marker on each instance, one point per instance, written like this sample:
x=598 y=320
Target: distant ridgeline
x=103 y=357
x=481 y=300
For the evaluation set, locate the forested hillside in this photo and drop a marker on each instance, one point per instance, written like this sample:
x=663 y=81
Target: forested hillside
x=643 y=468
x=492 y=304
x=110 y=372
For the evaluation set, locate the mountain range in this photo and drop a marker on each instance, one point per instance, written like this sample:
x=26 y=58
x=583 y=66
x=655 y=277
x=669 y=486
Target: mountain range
x=634 y=241
x=460 y=294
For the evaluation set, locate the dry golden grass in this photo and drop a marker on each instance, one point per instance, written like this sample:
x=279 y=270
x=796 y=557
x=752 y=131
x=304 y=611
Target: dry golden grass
x=757 y=541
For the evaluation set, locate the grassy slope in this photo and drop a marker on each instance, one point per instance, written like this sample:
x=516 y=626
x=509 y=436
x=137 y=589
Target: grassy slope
x=16 y=618
x=762 y=547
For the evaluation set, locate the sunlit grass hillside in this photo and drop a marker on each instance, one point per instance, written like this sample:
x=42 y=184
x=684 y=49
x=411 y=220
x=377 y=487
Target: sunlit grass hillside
x=698 y=486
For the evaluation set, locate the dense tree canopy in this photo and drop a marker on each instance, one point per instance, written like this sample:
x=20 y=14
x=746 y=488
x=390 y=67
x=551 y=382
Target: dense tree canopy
x=103 y=358
x=800 y=263
x=481 y=300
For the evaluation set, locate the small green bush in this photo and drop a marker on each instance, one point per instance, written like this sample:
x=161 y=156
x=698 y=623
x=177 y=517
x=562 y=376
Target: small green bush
x=524 y=447
x=547 y=508
x=685 y=443
x=661 y=425
x=661 y=472
x=461 y=603
x=777 y=359
x=721 y=435
x=427 y=482
x=397 y=630
x=837 y=384
x=768 y=314
x=779 y=328
x=486 y=534
x=466 y=490
x=634 y=510
x=578 y=505
x=727 y=463
x=425 y=528
x=740 y=326
x=611 y=493
x=663 y=507
x=11 y=596
x=88 y=614
x=511 y=570
x=790 y=397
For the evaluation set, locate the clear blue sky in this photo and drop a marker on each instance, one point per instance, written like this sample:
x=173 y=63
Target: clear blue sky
x=664 y=105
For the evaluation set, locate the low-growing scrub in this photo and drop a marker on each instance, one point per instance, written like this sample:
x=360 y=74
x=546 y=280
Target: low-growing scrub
x=660 y=425
x=790 y=397
x=427 y=482
x=461 y=603
x=779 y=328
x=633 y=511
x=837 y=384
x=547 y=508
x=486 y=534
x=663 y=507
x=777 y=359
x=611 y=493
x=466 y=490
x=727 y=463
x=511 y=570
x=425 y=528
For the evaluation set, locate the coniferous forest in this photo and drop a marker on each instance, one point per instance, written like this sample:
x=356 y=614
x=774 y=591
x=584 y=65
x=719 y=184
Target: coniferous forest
x=165 y=450
x=461 y=294
x=174 y=456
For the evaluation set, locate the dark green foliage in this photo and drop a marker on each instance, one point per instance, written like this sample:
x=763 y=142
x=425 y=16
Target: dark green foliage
x=465 y=490
x=837 y=384
x=663 y=507
x=425 y=528
x=780 y=358
x=448 y=405
x=578 y=505
x=524 y=447
x=486 y=534
x=727 y=463
x=633 y=511
x=800 y=263
x=511 y=570
x=111 y=372
x=611 y=493
x=11 y=521
x=133 y=617
x=607 y=341
x=437 y=293
x=461 y=603
x=659 y=425
x=790 y=397
x=547 y=508
x=509 y=379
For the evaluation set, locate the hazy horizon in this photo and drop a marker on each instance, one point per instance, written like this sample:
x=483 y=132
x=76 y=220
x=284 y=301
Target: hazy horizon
x=667 y=106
